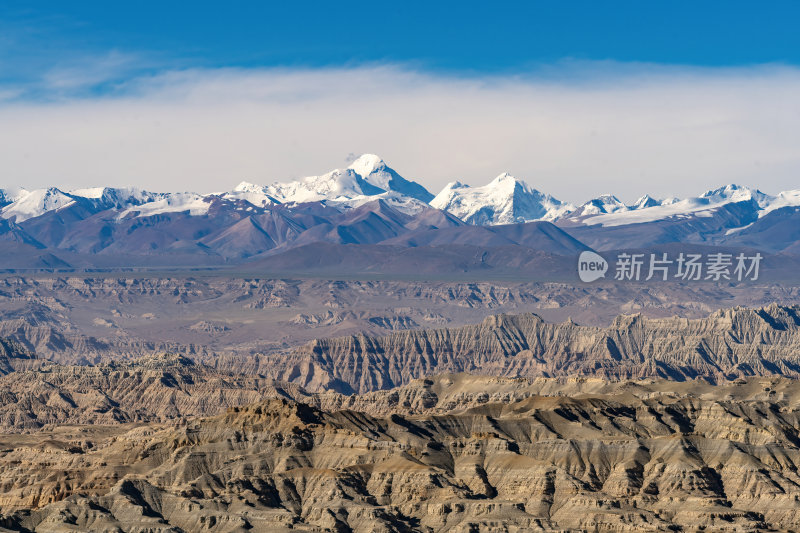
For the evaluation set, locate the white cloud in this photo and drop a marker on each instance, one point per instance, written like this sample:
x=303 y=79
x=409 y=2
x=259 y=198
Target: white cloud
x=575 y=131
x=87 y=72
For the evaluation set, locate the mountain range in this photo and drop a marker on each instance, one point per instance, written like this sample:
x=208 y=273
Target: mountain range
x=369 y=203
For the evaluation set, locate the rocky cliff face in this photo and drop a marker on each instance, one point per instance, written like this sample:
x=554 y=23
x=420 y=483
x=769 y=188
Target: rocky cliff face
x=146 y=390
x=14 y=357
x=726 y=344
x=569 y=455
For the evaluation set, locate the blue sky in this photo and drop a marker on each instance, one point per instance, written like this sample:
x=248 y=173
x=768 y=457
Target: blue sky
x=470 y=38
x=557 y=92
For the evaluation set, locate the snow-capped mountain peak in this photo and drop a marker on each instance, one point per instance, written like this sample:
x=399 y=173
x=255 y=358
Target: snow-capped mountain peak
x=368 y=176
x=505 y=177
x=602 y=205
x=645 y=202
x=504 y=200
x=337 y=184
x=609 y=202
x=737 y=193
x=783 y=199
x=252 y=193
x=333 y=186
x=374 y=171
x=115 y=197
x=726 y=191
x=367 y=164
x=8 y=196
x=702 y=205
x=31 y=204
x=246 y=186
x=507 y=182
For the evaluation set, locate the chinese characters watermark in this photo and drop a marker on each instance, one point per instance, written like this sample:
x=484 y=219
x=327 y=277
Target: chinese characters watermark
x=716 y=266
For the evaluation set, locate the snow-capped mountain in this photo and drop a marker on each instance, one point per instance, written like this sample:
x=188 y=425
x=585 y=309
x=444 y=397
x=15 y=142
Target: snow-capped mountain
x=736 y=193
x=375 y=172
x=252 y=193
x=22 y=204
x=645 y=202
x=335 y=185
x=367 y=178
x=782 y=199
x=116 y=197
x=505 y=200
x=194 y=204
x=401 y=202
x=26 y=204
x=8 y=196
x=602 y=205
x=702 y=206
x=508 y=200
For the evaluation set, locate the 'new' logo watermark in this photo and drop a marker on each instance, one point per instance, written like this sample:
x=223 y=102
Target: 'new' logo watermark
x=591 y=266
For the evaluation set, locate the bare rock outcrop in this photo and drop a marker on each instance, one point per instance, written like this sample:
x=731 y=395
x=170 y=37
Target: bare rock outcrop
x=145 y=390
x=724 y=345
x=575 y=455
x=14 y=357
